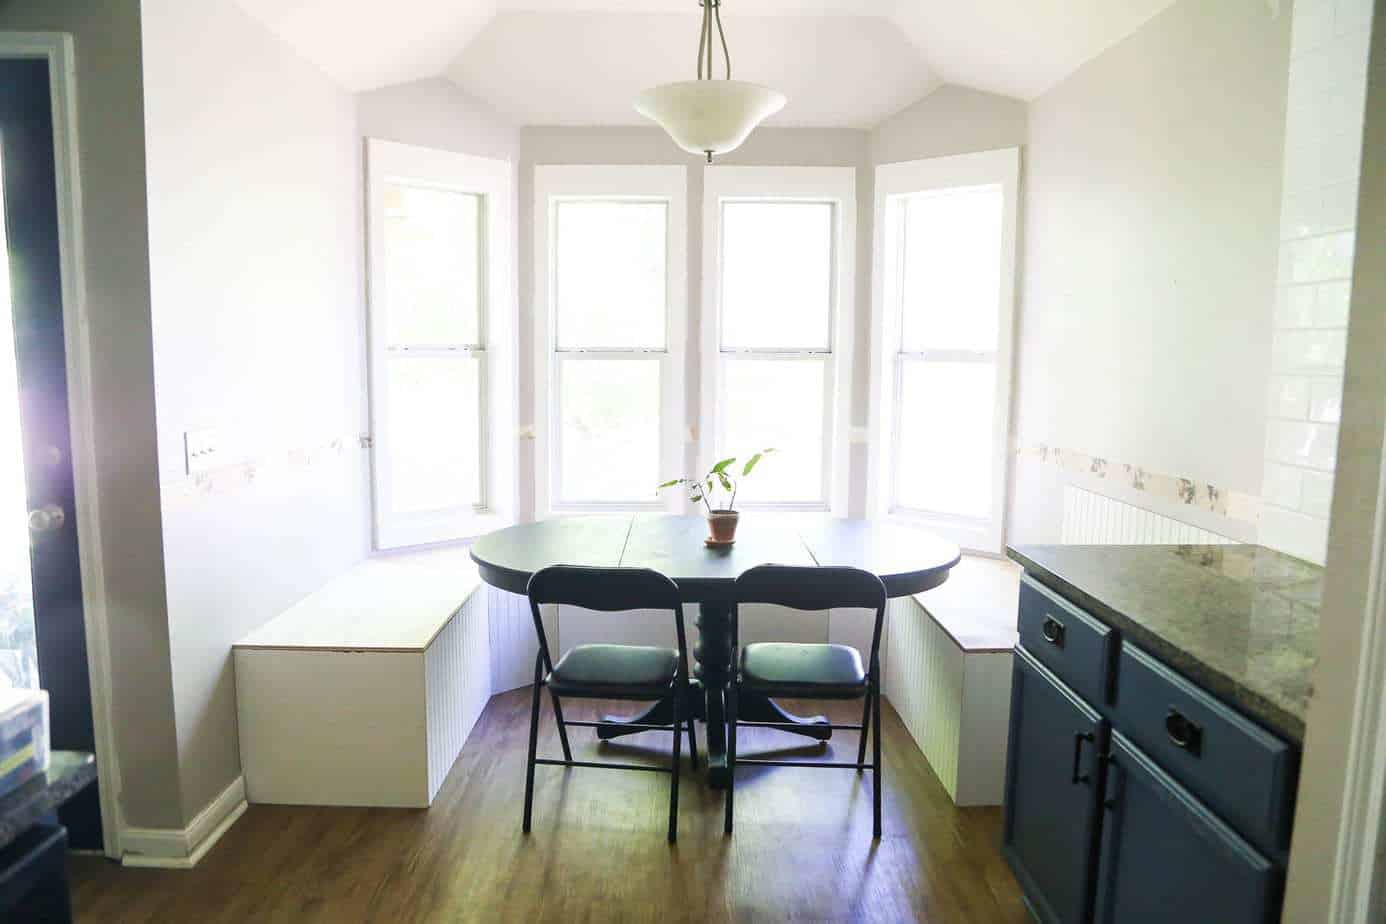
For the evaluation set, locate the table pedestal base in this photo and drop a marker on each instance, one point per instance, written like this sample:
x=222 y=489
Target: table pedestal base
x=712 y=656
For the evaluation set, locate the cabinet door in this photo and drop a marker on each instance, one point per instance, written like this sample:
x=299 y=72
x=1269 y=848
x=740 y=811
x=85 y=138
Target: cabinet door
x=1052 y=804
x=1165 y=857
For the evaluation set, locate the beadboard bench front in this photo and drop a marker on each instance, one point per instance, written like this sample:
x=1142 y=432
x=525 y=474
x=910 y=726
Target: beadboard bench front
x=947 y=672
x=363 y=693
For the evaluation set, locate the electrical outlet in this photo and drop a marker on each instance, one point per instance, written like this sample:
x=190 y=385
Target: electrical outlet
x=200 y=449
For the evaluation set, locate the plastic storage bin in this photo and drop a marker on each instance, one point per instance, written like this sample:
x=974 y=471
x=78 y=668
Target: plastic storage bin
x=23 y=736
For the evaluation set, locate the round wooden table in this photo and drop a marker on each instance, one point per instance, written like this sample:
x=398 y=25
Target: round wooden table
x=907 y=560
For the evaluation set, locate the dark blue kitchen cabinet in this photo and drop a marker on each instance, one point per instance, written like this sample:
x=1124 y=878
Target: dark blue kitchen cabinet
x=1166 y=857
x=1052 y=805
x=1133 y=794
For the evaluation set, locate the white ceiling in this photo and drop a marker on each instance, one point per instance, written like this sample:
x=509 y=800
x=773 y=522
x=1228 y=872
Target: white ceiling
x=841 y=62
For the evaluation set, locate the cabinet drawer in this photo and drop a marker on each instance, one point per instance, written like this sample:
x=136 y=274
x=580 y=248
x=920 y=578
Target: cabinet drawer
x=1165 y=857
x=1066 y=640
x=1241 y=770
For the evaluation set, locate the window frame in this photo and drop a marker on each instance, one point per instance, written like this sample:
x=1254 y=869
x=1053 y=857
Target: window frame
x=555 y=183
x=834 y=185
x=492 y=181
x=899 y=181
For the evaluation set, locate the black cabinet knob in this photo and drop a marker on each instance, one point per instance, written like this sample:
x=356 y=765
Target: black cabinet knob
x=1053 y=631
x=1183 y=732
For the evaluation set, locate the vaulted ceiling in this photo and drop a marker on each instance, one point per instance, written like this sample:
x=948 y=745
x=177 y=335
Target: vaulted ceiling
x=844 y=63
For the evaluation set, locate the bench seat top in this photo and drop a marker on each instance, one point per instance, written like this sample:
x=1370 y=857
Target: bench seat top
x=977 y=605
x=389 y=602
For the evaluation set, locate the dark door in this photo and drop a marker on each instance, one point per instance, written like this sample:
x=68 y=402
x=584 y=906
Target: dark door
x=1052 y=806
x=42 y=633
x=1165 y=857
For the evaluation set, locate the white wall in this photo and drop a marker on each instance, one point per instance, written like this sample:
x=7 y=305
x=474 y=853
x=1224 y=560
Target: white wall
x=258 y=319
x=438 y=114
x=1152 y=196
x=950 y=120
x=112 y=163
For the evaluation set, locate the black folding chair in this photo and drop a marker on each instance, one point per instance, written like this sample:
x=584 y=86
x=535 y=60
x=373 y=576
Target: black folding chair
x=623 y=672
x=809 y=671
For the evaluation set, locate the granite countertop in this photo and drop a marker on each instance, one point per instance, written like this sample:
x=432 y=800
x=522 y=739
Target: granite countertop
x=1241 y=621
x=67 y=774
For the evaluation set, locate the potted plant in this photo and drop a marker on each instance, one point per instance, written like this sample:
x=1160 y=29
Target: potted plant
x=721 y=521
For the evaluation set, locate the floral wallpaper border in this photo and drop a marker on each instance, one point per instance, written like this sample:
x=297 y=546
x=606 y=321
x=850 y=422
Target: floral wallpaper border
x=230 y=479
x=1186 y=491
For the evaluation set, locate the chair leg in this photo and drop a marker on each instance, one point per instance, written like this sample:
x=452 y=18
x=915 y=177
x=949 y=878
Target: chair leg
x=533 y=746
x=876 y=784
x=674 y=782
x=865 y=730
x=731 y=757
x=692 y=744
x=562 y=727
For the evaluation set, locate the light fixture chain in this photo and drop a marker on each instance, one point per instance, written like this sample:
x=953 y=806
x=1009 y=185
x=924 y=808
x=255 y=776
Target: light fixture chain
x=717 y=11
x=702 y=41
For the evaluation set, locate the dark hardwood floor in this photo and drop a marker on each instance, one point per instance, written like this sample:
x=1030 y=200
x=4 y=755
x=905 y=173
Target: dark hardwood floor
x=802 y=850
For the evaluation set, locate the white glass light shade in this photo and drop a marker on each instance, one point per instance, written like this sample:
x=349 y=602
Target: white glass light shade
x=705 y=116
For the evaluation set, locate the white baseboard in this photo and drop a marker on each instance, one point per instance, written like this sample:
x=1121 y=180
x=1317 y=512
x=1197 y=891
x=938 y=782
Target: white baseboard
x=175 y=848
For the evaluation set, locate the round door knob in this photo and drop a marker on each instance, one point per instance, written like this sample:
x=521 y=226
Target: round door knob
x=46 y=519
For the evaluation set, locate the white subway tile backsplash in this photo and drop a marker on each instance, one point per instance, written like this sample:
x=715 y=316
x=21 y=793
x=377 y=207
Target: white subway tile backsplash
x=1326 y=400
x=1294 y=533
x=1301 y=215
x=1340 y=157
x=1337 y=208
x=1308 y=351
x=1352 y=16
x=1302 y=157
x=1316 y=497
x=1313 y=26
x=1331 y=301
x=1289 y=396
x=1282 y=485
x=1311 y=445
x=1295 y=306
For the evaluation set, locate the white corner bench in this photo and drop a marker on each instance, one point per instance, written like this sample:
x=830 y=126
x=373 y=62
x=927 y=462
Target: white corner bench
x=947 y=672
x=364 y=692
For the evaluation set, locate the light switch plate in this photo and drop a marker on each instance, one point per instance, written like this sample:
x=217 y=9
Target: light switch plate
x=200 y=448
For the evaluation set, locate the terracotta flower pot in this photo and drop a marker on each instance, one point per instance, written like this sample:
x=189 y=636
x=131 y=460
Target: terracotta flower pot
x=721 y=525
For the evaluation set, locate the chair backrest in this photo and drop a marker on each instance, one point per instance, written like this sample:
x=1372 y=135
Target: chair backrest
x=813 y=588
x=606 y=589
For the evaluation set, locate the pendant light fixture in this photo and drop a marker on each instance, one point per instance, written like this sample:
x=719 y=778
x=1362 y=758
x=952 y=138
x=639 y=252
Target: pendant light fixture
x=709 y=116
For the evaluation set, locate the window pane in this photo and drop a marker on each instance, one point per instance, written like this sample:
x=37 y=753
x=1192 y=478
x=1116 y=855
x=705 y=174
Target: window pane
x=777 y=274
x=945 y=454
x=432 y=266
x=952 y=269
x=611 y=274
x=435 y=432
x=609 y=428
x=776 y=403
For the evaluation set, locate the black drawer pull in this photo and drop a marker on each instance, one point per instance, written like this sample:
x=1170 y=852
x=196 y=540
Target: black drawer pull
x=1053 y=631
x=1183 y=732
x=1078 y=739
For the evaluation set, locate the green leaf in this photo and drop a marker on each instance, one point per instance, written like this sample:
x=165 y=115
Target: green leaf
x=670 y=484
x=721 y=467
x=754 y=460
x=726 y=482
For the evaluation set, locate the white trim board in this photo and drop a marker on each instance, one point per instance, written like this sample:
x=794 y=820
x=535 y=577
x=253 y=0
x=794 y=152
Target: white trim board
x=57 y=48
x=183 y=848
